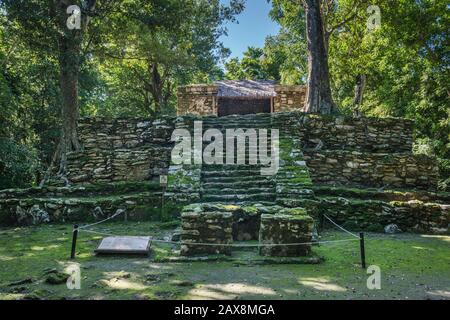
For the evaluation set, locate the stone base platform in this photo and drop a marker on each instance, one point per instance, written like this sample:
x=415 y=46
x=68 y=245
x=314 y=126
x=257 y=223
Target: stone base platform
x=207 y=228
x=280 y=229
x=212 y=228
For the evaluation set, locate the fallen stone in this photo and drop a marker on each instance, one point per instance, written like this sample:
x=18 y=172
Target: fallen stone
x=56 y=278
x=392 y=229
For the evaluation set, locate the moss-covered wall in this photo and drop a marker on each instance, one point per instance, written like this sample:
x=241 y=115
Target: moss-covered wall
x=361 y=151
x=396 y=170
x=121 y=150
x=141 y=201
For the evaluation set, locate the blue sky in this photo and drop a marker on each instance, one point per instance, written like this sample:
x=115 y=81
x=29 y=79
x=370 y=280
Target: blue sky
x=254 y=25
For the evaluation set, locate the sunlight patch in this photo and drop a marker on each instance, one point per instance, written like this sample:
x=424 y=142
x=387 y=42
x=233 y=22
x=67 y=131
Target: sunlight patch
x=123 y=284
x=421 y=248
x=321 y=284
x=443 y=238
x=227 y=291
x=440 y=293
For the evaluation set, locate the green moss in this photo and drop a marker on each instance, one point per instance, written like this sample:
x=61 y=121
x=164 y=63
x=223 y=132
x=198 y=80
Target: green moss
x=351 y=225
x=375 y=194
x=374 y=227
x=294 y=211
x=56 y=278
x=410 y=264
x=170 y=210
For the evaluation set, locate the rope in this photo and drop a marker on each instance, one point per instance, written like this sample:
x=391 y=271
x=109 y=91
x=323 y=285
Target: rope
x=341 y=228
x=118 y=212
x=238 y=245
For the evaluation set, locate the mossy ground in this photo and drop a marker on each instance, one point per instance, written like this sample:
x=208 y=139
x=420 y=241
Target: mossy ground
x=412 y=266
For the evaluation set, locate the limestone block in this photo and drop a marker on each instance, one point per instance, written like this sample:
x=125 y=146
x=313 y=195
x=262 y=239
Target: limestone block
x=211 y=228
x=285 y=228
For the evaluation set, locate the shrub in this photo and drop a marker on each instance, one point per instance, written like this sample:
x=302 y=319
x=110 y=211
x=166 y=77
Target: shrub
x=19 y=164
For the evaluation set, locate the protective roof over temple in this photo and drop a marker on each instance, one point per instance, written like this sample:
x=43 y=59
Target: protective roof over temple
x=246 y=88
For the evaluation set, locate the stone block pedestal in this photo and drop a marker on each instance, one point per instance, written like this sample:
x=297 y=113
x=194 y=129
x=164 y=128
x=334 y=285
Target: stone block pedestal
x=212 y=228
x=285 y=229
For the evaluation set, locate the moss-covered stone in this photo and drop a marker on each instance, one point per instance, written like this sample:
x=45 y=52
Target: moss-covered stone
x=279 y=232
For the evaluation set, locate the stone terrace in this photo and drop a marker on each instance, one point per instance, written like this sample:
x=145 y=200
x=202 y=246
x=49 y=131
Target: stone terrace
x=359 y=171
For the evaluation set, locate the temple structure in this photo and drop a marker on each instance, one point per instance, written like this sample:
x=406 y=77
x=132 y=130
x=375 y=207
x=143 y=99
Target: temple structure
x=228 y=97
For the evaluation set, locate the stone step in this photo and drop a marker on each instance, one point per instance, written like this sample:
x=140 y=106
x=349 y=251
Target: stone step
x=230 y=173
x=251 y=178
x=239 y=191
x=229 y=167
x=239 y=184
x=238 y=198
x=243 y=203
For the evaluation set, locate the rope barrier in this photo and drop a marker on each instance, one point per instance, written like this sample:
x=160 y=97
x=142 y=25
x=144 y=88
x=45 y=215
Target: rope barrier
x=341 y=228
x=118 y=212
x=359 y=238
x=237 y=245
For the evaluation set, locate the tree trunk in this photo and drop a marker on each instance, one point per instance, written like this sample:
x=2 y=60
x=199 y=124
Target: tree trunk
x=359 y=93
x=318 y=97
x=69 y=62
x=69 y=45
x=157 y=86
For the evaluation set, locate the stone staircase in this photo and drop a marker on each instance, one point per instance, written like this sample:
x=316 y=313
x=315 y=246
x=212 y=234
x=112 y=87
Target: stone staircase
x=244 y=183
x=237 y=183
x=234 y=183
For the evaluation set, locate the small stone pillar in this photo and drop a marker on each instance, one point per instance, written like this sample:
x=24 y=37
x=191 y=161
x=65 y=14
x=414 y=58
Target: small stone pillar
x=289 y=98
x=206 y=227
x=198 y=99
x=285 y=229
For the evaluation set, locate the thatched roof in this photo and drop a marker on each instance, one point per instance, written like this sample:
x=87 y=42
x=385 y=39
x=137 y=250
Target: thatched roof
x=246 y=88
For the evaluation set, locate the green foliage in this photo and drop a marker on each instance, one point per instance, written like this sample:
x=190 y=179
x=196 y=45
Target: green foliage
x=256 y=64
x=128 y=46
x=405 y=61
x=19 y=164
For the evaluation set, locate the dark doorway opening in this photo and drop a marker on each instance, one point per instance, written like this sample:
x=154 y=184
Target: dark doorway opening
x=243 y=105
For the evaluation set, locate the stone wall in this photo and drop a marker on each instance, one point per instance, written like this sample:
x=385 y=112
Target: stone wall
x=392 y=135
x=366 y=209
x=121 y=150
x=410 y=216
x=393 y=170
x=361 y=151
x=139 y=201
x=197 y=100
x=289 y=98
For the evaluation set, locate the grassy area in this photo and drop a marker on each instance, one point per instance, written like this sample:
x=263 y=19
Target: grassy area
x=412 y=267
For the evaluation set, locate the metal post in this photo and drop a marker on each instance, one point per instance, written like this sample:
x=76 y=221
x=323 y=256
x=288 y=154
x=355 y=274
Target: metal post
x=74 y=241
x=163 y=184
x=162 y=202
x=363 y=251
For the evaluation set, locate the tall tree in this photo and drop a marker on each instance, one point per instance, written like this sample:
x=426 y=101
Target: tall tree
x=43 y=26
x=313 y=22
x=318 y=96
x=69 y=55
x=156 y=54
